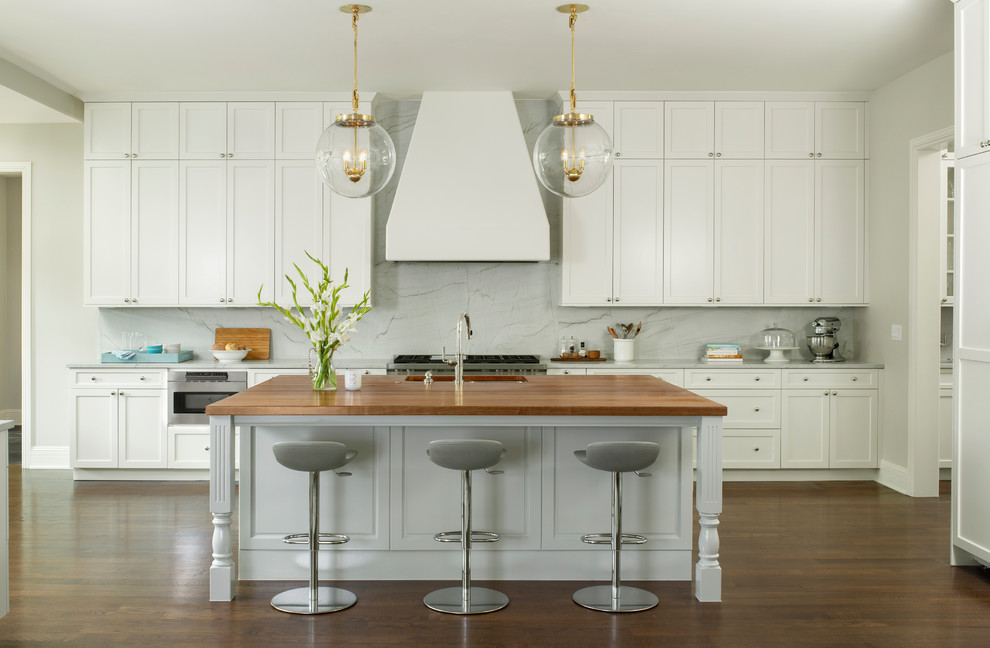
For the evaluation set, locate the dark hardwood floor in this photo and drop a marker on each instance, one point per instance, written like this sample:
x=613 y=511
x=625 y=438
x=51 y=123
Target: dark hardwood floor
x=805 y=564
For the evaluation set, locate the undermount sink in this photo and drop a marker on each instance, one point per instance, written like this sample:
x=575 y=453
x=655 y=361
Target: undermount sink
x=449 y=378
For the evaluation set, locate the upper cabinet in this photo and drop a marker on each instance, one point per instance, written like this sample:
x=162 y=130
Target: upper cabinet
x=637 y=129
x=200 y=203
x=125 y=131
x=833 y=130
x=972 y=37
x=713 y=130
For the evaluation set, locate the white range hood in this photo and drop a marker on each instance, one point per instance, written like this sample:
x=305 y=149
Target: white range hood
x=467 y=191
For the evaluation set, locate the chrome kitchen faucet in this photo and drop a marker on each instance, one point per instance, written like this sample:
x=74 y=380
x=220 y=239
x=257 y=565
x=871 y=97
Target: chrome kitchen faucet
x=463 y=320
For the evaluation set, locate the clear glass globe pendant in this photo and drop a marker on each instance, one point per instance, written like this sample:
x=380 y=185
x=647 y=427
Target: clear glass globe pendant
x=573 y=155
x=355 y=156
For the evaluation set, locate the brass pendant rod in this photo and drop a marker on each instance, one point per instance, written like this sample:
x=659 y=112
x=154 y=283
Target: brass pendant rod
x=354 y=95
x=572 y=21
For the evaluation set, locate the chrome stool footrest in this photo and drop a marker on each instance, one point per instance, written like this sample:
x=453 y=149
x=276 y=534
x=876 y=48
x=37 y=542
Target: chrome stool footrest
x=324 y=538
x=476 y=536
x=606 y=538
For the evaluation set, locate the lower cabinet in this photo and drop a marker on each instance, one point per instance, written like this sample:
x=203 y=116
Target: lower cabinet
x=189 y=447
x=945 y=419
x=122 y=427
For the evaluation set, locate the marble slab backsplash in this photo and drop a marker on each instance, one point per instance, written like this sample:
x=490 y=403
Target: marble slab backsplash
x=514 y=307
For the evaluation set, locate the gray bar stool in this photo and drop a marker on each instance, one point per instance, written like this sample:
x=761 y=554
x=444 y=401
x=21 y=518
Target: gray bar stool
x=617 y=457
x=466 y=455
x=314 y=457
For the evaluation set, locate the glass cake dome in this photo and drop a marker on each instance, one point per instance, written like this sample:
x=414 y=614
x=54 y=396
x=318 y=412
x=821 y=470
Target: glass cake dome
x=776 y=340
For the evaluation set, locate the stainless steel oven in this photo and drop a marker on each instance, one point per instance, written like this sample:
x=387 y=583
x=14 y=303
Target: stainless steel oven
x=189 y=392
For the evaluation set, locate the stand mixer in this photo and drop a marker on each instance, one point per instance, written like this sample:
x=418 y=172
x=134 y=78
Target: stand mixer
x=823 y=343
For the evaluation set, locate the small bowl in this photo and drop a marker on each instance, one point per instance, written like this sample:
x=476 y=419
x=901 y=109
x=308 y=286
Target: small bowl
x=594 y=354
x=154 y=348
x=231 y=356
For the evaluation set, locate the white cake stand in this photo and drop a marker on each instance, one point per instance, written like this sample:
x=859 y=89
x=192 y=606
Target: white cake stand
x=776 y=354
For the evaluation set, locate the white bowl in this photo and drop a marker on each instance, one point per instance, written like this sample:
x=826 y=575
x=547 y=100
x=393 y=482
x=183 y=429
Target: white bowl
x=230 y=356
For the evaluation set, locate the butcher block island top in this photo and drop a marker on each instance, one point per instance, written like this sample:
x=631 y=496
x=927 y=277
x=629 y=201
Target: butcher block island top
x=529 y=396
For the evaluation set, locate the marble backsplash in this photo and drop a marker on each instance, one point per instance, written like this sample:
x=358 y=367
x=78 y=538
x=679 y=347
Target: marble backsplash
x=514 y=307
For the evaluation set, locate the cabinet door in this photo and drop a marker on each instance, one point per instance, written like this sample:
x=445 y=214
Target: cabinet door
x=689 y=128
x=945 y=428
x=739 y=130
x=202 y=232
x=689 y=223
x=106 y=232
x=155 y=130
x=638 y=127
x=971 y=71
x=298 y=126
x=348 y=240
x=853 y=428
x=155 y=233
x=202 y=130
x=107 y=132
x=739 y=231
x=804 y=441
x=141 y=415
x=840 y=230
x=251 y=130
x=586 y=255
x=250 y=231
x=93 y=443
x=299 y=217
x=840 y=130
x=789 y=232
x=604 y=114
x=790 y=130
x=637 y=233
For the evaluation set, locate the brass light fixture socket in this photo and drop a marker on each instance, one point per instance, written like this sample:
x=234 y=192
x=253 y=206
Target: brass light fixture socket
x=572 y=119
x=567 y=8
x=355 y=120
x=355 y=8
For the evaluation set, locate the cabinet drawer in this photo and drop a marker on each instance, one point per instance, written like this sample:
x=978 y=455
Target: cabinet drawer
x=731 y=378
x=673 y=376
x=748 y=408
x=553 y=371
x=751 y=449
x=816 y=378
x=189 y=447
x=258 y=377
x=118 y=378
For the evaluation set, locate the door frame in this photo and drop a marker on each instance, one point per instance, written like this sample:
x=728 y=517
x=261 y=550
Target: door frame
x=924 y=315
x=27 y=319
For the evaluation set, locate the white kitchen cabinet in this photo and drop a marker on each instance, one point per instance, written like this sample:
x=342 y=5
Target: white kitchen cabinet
x=972 y=53
x=241 y=130
x=637 y=129
x=189 y=447
x=612 y=239
x=118 y=426
x=945 y=419
x=123 y=130
x=566 y=371
x=947 y=226
x=830 y=423
x=226 y=232
x=810 y=130
x=815 y=232
x=298 y=126
x=710 y=130
x=713 y=232
x=299 y=223
x=130 y=224
x=673 y=376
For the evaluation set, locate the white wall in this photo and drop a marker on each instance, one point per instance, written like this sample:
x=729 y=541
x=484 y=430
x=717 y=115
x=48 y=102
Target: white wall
x=4 y=304
x=913 y=105
x=10 y=359
x=63 y=330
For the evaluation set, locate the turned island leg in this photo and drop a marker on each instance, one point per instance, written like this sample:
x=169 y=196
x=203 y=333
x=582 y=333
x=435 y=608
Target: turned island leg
x=223 y=572
x=708 y=498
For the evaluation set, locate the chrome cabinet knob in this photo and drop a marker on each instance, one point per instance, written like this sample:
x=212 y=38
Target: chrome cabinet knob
x=141 y=378
x=608 y=299
x=819 y=155
x=133 y=300
x=718 y=299
x=855 y=378
x=709 y=299
x=711 y=155
x=826 y=393
x=126 y=300
x=756 y=409
x=757 y=379
x=718 y=155
x=805 y=379
x=618 y=154
x=127 y=155
x=819 y=299
x=811 y=155
x=708 y=378
x=92 y=377
x=617 y=300
x=207 y=448
x=133 y=155
x=835 y=393
x=221 y=300
x=811 y=299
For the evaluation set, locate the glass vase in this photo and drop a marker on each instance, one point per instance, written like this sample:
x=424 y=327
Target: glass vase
x=321 y=370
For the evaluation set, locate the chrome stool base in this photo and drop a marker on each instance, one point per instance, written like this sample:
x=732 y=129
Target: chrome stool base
x=480 y=600
x=329 y=599
x=631 y=599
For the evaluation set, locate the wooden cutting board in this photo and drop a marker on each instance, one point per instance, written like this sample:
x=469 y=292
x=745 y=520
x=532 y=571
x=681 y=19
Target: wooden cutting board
x=257 y=339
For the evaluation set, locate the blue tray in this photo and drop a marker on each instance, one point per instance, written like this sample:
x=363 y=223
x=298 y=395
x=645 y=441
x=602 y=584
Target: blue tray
x=182 y=356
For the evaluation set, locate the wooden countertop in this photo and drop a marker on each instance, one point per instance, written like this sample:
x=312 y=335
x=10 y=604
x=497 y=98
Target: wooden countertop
x=540 y=395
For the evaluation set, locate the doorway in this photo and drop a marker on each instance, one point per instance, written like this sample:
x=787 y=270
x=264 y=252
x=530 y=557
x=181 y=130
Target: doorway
x=15 y=301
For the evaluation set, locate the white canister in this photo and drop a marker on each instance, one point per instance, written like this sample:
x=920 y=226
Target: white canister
x=352 y=380
x=624 y=350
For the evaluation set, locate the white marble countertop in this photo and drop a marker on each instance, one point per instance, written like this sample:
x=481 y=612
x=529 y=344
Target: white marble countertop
x=382 y=363
x=6 y=425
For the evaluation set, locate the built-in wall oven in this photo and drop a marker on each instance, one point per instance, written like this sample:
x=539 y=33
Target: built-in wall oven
x=189 y=392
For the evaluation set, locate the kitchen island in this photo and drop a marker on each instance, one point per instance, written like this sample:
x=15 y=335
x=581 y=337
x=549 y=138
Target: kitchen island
x=396 y=499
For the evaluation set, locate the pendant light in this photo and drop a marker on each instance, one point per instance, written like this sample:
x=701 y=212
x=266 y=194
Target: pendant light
x=573 y=155
x=355 y=155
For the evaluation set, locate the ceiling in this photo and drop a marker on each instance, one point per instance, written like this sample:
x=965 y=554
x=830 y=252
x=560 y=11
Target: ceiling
x=128 y=47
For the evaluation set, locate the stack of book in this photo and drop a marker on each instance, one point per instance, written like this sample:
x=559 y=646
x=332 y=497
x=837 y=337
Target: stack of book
x=715 y=353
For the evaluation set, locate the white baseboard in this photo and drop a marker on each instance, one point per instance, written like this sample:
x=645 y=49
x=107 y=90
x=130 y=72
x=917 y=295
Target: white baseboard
x=11 y=415
x=46 y=457
x=893 y=476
